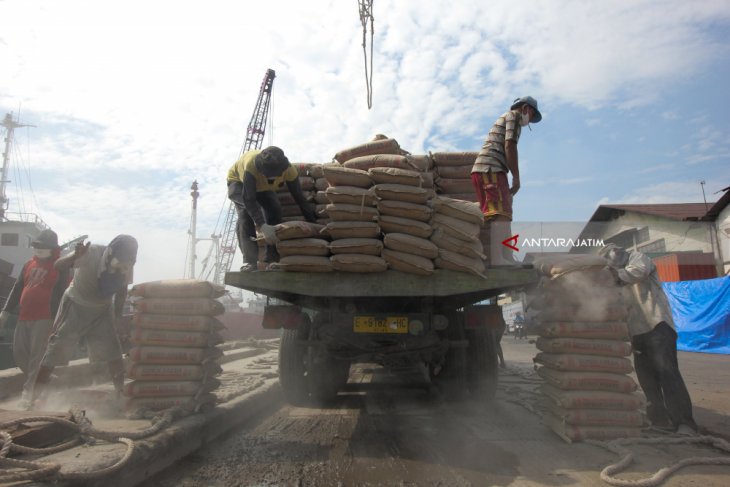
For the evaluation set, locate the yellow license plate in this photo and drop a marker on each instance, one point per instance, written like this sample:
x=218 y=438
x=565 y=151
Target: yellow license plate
x=371 y=324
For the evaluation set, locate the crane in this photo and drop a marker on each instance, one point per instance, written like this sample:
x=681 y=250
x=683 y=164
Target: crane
x=254 y=140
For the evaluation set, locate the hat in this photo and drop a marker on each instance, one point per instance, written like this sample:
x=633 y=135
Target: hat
x=272 y=162
x=529 y=101
x=124 y=248
x=47 y=239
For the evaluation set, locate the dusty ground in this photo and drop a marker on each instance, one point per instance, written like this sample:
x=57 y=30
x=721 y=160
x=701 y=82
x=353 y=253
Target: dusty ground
x=388 y=430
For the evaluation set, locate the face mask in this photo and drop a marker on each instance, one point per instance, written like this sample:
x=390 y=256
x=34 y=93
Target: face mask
x=525 y=118
x=42 y=253
x=118 y=266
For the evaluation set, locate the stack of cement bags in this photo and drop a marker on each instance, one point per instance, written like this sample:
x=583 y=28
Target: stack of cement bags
x=583 y=338
x=452 y=171
x=456 y=225
x=302 y=247
x=290 y=210
x=173 y=362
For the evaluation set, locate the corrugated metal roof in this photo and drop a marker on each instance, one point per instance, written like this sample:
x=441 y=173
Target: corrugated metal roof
x=671 y=211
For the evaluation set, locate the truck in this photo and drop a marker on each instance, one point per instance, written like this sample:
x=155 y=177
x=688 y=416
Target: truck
x=435 y=323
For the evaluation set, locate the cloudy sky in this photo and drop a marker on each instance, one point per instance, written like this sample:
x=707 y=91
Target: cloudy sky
x=134 y=100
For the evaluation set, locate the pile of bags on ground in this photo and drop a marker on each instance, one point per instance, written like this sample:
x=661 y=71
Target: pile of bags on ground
x=583 y=343
x=175 y=336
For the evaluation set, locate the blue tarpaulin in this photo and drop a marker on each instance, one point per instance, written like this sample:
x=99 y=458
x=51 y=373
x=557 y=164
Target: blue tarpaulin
x=701 y=312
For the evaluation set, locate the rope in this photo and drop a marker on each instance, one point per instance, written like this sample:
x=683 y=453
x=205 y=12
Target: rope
x=366 y=13
x=618 y=447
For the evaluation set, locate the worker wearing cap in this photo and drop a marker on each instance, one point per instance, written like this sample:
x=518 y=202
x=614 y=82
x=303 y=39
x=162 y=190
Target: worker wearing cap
x=91 y=307
x=498 y=157
x=33 y=303
x=653 y=340
x=253 y=182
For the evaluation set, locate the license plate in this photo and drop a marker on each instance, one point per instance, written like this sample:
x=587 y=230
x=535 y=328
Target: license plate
x=390 y=324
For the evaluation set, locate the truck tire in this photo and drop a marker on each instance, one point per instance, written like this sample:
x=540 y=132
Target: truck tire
x=452 y=380
x=293 y=365
x=326 y=377
x=483 y=374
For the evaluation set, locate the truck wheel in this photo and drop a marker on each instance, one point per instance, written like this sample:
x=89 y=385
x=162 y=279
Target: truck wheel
x=452 y=380
x=483 y=375
x=292 y=364
x=326 y=377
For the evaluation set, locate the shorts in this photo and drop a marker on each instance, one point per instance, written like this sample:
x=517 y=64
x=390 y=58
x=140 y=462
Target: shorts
x=73 y=322
x=492 y=190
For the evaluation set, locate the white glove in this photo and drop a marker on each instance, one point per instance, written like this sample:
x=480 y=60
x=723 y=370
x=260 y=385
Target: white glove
x=269 y=234
x=4 y=318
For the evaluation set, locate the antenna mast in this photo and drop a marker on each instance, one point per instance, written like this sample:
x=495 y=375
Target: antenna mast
x=10 y=126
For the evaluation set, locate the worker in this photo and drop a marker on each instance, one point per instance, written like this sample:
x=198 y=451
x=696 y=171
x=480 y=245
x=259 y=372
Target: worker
x=91 y=307
x=653 y=340
x=498 y=157
x=253 y=181
x=33 y=303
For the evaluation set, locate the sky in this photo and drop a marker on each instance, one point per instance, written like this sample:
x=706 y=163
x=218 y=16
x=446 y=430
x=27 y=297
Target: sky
x=132 y=101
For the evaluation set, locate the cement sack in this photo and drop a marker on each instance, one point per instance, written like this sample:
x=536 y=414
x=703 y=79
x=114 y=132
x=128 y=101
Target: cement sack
x=323 y=221
x=343 y=176
x=193 y=403
x=173 y=372
x=291 y=230
x=592 y=399
x=321 y=184
x=467 y=196
x=597 y=417
x=316 y=170
x=340 y=212
x=303 y=246
x=396 y=224
x=401 y=192
x=304 y=263
x=143 y=388
x=321 y=211
x=392 y=175
x=164 y=338
x=472 y=249
x=176 y=322
x=320 y=197
x=173 y=355
x=609 y=330
x=420 y=162
x=286 y=199
x=455 y=172
x=587 y=311
x=453 y=186
x=410 y=263
x=286 y=219
x=380 y=146
x=358 y=263
x=556 y=265
x=403 y=209
x=461 y=210
x=351 y=195
x=178 y=288
x=306 y=182
x=455 y=227
x=584 y=363
x=585 y=346
x=588 y=381
x=571 y=433
x=402 y=242
x=291 y=211
x=453 y=158
x=180 y=306
x=366 y=246
x=456 y=262
x=338 y=230
x=366 y=163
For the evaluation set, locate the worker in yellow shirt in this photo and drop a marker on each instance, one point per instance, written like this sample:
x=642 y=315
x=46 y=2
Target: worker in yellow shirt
x=253 y=181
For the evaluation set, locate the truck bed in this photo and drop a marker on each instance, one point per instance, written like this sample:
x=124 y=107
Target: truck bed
x=382 y=291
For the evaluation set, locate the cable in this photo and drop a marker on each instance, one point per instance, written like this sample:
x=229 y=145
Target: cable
x=366 y=13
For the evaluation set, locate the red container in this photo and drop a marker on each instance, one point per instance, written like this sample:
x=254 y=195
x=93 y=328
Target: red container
x=685 y=267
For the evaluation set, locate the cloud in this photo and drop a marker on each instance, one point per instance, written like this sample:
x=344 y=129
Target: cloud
x=664 y=192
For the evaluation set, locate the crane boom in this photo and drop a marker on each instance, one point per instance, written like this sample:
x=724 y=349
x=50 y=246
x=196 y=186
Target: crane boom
x=254 y=140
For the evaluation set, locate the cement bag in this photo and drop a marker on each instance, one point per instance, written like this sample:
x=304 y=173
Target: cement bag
x=556 y=265
x=466 y=196
x=286 y=199
x=461 y=210
x=358 y=263
x=410 y=244
x=195 y=403
x=455 y=227
x=343 y=176
x=320 y=197
x=173 y=372
x=453 y=186
x=404 y=209
x=176 y=322
x=420 y=162
x=401 y=192
x=321 y=184
x=584 y=363
x=302 y=168
x=453 y=158
x=303 y=246
x=390 y=224
x=597 y=417
x=366 y=163
x=456 y=262
x=380 y=146
x=571 y=433
x=291 y=211
x=455 y=172
x=587 y=381
x=366 y=246
x=304 y=263
x=316 y=170
x=393 y=175
x=350 y=195
x=588 y=311
x=291 y=230
x=179 y=306
x=306 y=182
x=321 y=211
x=341 y=212
x=143 y=388
x=286 y=219
x=338 y=230
x=610 y=330
x=164 y=338
x=413 y=264
x=472 y=249
x=592 y=399
x=173 y=355
x=178 y=288
x=587 y=346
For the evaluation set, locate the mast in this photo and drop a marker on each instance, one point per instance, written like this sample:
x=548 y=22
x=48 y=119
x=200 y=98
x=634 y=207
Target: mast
x=10 y=126
x=193 y=228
